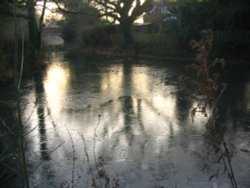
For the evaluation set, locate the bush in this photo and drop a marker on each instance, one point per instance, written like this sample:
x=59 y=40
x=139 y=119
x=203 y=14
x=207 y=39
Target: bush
x=99 y=36
x=159 y=44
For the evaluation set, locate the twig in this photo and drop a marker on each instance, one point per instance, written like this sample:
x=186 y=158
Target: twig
x=57 y=147
x=9 y=129
x=88 y=161
x=26 y=121
x=34 y=169
x=94 y=145
x=22 y=62
x=31 y=130
x=7 y=166
x=28 y=132
x=73 y=156
x=229 y=164
x=5 y=103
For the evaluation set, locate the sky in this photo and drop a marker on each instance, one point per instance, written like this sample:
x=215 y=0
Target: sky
x=51 y=14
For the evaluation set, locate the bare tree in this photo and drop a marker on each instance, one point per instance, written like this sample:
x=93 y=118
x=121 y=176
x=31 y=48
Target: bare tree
x=123 y=11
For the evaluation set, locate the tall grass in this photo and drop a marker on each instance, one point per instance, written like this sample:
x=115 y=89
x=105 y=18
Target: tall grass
x=204 y=88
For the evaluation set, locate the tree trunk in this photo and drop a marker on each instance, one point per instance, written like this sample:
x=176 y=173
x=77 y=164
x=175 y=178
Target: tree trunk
x=127 y=34
x=34 y=33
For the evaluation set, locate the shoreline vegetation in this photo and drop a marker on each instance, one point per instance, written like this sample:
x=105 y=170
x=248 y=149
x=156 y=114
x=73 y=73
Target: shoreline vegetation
x=132 y=55
x=99 y=52
x=109 y=54
x=163 y=35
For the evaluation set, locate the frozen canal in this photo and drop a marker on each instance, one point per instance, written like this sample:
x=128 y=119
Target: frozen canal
x=126 y=120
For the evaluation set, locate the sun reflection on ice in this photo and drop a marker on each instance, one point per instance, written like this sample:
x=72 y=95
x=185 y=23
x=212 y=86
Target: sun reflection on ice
x=112 y=81
x=141 y=81
x=56 y=85
x=158 y=106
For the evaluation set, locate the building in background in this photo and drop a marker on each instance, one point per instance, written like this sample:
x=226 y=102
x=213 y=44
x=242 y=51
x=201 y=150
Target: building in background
x=160 y=13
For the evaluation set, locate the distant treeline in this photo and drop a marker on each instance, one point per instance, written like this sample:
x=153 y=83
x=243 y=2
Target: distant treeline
x=171 y=37
x=164 y=33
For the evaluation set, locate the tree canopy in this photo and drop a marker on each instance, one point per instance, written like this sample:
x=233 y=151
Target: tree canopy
x=123 y=11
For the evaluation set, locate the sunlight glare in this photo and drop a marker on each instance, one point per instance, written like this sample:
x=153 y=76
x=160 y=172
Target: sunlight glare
x=50 y=12
x=112 y=81
x=56 y=85
x=164 y=104
x=141 y=81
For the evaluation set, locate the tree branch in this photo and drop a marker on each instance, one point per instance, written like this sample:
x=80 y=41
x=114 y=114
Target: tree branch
x=66 y=11
x=42 y=15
